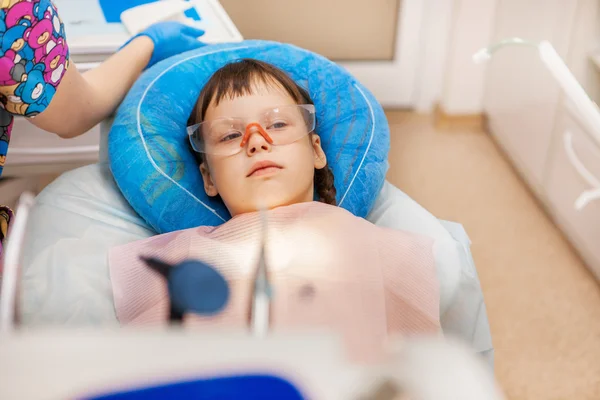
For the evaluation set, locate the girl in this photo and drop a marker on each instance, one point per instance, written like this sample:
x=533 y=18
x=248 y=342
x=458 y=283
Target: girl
x=253 y=132
x=283 y=158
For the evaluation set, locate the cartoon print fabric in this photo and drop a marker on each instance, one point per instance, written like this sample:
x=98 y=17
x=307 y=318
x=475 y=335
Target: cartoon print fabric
x=33 y=59
x=6 y=215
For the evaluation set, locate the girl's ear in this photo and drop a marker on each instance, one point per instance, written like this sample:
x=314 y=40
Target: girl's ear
x=320 y=157
x=209 y=185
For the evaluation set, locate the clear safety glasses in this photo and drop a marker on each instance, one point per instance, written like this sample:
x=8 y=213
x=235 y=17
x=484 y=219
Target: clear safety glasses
x=228 y=136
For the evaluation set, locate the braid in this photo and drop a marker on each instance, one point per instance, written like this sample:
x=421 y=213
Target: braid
x=324 y=185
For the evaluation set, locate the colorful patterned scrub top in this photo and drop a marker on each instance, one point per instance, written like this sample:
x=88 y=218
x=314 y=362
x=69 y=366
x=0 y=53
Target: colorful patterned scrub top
x=33 y=59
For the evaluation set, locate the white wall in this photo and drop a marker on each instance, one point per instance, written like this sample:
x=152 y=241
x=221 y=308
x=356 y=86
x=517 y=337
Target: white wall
x=437 y=30
x=464 y=81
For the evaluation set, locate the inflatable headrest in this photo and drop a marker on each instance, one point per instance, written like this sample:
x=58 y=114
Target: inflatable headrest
x=159 y=176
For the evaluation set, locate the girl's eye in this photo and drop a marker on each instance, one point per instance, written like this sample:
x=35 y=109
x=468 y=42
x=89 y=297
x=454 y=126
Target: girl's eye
x=278 y=125
x=230 y=136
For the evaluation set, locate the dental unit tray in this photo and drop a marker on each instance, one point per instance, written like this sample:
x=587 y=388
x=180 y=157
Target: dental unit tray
x=164 y=363
x=127 y=364
x=130 y=363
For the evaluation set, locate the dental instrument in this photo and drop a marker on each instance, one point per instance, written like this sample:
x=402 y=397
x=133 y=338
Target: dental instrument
x=193 y=286
x=260 y=305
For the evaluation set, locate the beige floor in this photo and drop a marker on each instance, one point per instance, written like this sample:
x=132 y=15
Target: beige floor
x=543 y=305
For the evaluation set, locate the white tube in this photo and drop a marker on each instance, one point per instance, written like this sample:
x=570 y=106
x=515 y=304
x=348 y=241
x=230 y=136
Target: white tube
x=12 y=261
x=577 y=164
x=586 y=198
x=585 y=106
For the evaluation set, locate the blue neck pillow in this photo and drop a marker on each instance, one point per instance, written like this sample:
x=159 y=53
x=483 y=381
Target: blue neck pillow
x=158 y=175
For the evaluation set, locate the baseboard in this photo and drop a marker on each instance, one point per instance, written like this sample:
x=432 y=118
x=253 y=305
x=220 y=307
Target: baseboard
x=12 y=188
x=445 y=121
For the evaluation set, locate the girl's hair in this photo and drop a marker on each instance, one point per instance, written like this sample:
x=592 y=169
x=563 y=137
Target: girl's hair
x=238 y=79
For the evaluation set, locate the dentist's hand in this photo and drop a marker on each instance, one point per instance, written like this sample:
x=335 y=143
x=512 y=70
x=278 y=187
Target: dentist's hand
x=170 y=38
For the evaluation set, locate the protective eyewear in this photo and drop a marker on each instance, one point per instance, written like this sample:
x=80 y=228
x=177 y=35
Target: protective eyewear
x=228 y=136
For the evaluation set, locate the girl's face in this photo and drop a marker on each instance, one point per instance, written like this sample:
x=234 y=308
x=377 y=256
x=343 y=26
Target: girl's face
x=239 y=179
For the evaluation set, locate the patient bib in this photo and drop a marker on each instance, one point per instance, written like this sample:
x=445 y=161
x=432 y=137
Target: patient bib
x=329 y=269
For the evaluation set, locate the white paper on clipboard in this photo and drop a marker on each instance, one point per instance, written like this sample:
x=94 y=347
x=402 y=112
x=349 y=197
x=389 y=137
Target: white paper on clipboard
x=88 y=33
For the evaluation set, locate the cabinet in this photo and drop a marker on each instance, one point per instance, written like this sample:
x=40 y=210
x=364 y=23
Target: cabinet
x=535 y=123
x=573 y=162
x=521 y=97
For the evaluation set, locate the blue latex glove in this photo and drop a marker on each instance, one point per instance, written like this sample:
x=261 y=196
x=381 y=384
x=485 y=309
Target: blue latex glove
x=170 y=38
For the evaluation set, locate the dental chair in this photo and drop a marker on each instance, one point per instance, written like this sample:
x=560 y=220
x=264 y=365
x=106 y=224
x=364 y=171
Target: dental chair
x=83 y=213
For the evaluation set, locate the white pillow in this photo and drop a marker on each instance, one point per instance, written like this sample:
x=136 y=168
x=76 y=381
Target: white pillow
x=462 y=308
x=395 y=209
x=75 y=221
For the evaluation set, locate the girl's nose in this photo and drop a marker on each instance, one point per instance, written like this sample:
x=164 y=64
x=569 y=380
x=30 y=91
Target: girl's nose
x=257 y=138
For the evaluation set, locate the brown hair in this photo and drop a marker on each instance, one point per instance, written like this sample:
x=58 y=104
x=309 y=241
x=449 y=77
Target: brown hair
x=237 y=79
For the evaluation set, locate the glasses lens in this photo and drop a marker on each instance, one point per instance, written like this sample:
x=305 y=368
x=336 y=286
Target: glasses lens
x=219 y=137
x=225 y=136
x=288 y=124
